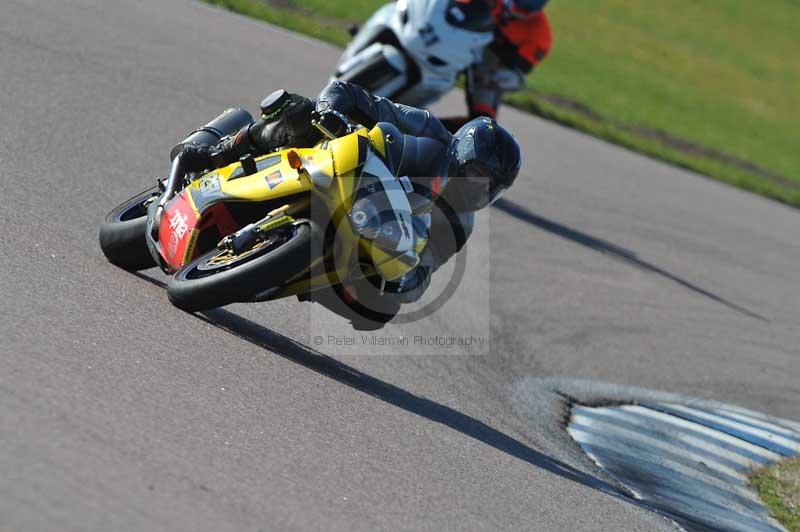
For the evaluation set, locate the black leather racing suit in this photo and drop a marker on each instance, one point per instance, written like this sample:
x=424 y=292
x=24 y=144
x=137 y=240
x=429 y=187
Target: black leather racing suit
x=418 y=146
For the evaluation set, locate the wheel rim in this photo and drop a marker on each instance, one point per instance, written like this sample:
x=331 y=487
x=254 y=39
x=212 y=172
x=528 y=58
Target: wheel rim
x=222 y=260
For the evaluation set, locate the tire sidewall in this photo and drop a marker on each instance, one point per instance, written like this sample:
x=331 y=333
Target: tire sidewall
x=123 y=242
x=242 y=282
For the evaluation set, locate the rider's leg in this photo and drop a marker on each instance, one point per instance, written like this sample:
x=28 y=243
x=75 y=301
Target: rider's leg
x=486 y=83
x=285 y=122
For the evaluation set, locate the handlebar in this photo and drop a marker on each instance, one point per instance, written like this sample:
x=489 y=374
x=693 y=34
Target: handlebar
x=331 y=123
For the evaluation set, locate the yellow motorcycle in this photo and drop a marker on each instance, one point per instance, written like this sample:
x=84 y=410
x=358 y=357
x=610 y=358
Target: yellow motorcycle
x=286 y=223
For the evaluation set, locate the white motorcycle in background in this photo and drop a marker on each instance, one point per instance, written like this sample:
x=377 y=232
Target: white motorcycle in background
x=412 y=51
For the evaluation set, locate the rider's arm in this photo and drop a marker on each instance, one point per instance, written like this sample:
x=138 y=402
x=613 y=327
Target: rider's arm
x=519 y=45
x=367 y=110
x=523 y=44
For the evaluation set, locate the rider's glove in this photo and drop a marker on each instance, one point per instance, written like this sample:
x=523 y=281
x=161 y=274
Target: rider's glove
x=508 y=79
x=329 y=120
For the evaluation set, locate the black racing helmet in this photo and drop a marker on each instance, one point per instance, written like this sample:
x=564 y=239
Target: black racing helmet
x=484 y=162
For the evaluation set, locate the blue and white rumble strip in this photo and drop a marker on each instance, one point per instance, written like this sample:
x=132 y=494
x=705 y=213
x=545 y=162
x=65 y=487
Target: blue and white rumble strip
x=690 y=463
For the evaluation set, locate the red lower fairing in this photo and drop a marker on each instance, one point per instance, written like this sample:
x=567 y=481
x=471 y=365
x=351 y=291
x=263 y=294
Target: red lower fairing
x=181 y=226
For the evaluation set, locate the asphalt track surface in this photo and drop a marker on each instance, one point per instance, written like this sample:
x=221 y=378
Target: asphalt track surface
x=119 y=412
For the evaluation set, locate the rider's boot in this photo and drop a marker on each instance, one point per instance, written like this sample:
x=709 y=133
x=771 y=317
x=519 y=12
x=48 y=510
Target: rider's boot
x=285 y=122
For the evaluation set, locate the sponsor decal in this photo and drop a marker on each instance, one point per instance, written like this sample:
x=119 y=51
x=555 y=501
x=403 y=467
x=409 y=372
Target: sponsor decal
x=172 y=247
x=177 y=228
x=283 y=220
x=209 y=184
x=274 y=179
x=428 y=35
x=178 y=224
x=406 y=182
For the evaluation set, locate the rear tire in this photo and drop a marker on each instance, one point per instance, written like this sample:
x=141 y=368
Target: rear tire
x=202 y=285
x=122 y=234
x=371 y=310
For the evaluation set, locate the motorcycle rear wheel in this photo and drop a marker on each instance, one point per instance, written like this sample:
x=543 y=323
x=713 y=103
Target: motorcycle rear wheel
x=122 y=234
x=220 y=277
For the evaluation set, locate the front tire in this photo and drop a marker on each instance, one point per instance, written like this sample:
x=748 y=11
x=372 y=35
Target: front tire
x=215 y=279
x=122 y=234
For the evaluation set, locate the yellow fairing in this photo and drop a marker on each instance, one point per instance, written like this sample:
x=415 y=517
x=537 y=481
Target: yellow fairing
x=275 y=178
x=349 y=153
x=346 y=153
x=376 y=137
x=341 y=160
x=393 y=267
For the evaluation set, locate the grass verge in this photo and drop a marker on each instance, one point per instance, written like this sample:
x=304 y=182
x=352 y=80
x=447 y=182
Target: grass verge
x=779 y=488
x=706 y=86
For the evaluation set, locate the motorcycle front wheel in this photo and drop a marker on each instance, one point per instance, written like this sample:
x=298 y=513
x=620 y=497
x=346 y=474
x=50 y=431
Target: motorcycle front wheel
x=221 y=277
x=122 y=234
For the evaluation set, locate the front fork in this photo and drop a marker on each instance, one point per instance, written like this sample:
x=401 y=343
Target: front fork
x=249 y=235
